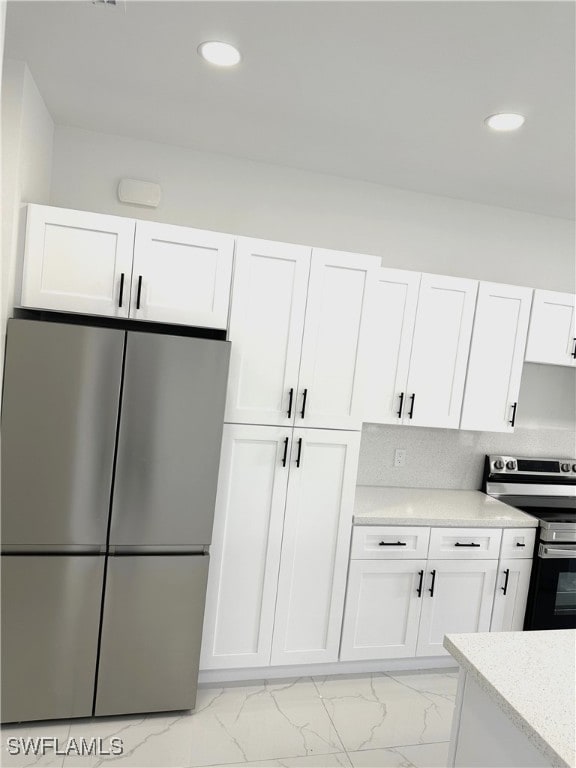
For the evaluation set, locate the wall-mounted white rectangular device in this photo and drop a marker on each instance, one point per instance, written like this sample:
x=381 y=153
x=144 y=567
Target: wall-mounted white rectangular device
x=137 y=192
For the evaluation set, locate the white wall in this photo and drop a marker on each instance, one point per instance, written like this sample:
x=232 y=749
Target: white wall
x=27 y=141
x=410 y=230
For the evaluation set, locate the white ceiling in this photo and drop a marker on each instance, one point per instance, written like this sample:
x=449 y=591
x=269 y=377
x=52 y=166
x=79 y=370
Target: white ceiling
x=389 y=92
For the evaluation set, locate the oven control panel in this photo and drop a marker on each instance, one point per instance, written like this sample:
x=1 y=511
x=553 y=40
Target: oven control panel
x=514 y=465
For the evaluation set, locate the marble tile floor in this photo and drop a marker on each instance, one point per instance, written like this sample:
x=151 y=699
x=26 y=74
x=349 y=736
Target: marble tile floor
x=381 y=721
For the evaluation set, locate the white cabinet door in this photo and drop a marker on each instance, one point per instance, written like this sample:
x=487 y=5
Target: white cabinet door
x=496 y=358
x=76 y=261
x=315 y=546
x=511 y=595
x=330 y=388
x=245 y=551
x=181 y=275
x=391 y=311
x=457 y=597
x=266 y=323
x=382 y=609
x=552 y=335
x=440 y=351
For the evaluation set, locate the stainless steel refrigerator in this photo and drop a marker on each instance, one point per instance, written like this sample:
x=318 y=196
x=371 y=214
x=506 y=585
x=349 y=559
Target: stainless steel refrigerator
x=110 y=452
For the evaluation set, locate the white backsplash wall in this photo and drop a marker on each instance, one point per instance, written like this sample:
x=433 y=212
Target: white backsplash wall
x=451 y=458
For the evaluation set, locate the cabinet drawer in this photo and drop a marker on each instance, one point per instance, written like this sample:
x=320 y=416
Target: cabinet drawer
x=465 y=543
x=518 y=542
x=386 y=542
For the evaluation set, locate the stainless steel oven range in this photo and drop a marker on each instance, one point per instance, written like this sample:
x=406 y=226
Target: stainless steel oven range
x=546 y=489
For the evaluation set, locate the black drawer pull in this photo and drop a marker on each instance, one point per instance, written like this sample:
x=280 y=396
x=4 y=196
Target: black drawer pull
x=139 y=292
x=458 y=544
x=419 y=590
x=574 y=351
x=304 y=396
x=401 y=405
x=299 y=451
x=513 y=419
x=121 y=289
x=431 y=590
x=505 y=587
x=411 y=412
x=285 y=452
x=520 y=545
x=392 y=544
x=291 y=395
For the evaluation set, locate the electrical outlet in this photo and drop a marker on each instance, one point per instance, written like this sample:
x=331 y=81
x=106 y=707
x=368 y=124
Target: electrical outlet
x=399 y=457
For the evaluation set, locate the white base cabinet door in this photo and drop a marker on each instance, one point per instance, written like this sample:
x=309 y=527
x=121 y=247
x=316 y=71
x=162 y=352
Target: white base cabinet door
x=440 y=351
x=496 y=358
x=552 y=333
x=315 y=546
x=391 y=312
x=266 y=325
x=511 y=595
x=333 y=364
x=181 y=275
x=383 y=604
x=77 y=261
x=458 y=596
x=245 y=551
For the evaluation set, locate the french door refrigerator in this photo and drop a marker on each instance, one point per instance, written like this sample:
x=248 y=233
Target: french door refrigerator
x=110 y=452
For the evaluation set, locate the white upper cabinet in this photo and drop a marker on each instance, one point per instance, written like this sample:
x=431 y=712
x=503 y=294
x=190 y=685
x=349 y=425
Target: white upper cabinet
x=181 y=275
x=266 y=325
x=552 y=333
x=390 y=314
x=245 y=551
x=76 y=261
x=440 y=351
x=315 y=545
x=496 y=358
x=95 y=264
x=332 y=374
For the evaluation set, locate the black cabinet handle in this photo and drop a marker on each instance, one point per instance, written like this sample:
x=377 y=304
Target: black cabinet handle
x=139 y=292
x=411 y=412
x=431 y=590
x=121 y=289
x=574 y=350
x=419 y=590
x=299 y=451
x=505 y=587
x=291 y=396
x=285 y=452
x=392 y=544
x=304 y=396
x=513 y=419
x=401 y=404
x=520 y=545
x=458 y=544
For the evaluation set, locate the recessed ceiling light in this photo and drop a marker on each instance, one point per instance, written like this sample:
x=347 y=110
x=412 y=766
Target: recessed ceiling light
x=220 y=54
x=505 y=121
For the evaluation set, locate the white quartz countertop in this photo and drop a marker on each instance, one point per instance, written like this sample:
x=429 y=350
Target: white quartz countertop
x=530 y=676
x=379 y=505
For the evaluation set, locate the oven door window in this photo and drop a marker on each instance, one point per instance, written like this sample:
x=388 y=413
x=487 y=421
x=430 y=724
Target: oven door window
x=552 y=599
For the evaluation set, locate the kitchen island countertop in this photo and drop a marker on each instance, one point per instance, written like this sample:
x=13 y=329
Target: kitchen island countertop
x=380 y=505
x=530 y=676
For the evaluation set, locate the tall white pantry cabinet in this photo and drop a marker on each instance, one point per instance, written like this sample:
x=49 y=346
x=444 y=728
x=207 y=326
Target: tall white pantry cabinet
x=290 y=448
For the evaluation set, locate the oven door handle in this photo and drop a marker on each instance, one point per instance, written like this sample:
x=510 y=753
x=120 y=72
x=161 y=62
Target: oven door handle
x=567 y=551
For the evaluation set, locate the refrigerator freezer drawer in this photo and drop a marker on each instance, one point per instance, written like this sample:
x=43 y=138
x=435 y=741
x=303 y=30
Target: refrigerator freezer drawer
x=169 y=441
x=50 y=618
x=59 y=418
x=151 y=633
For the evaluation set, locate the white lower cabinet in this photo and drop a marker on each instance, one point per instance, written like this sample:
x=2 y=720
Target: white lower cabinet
x=279 y=551
x=382 y=609
x=457 y=597
x=511 y=595
x=315 y=546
